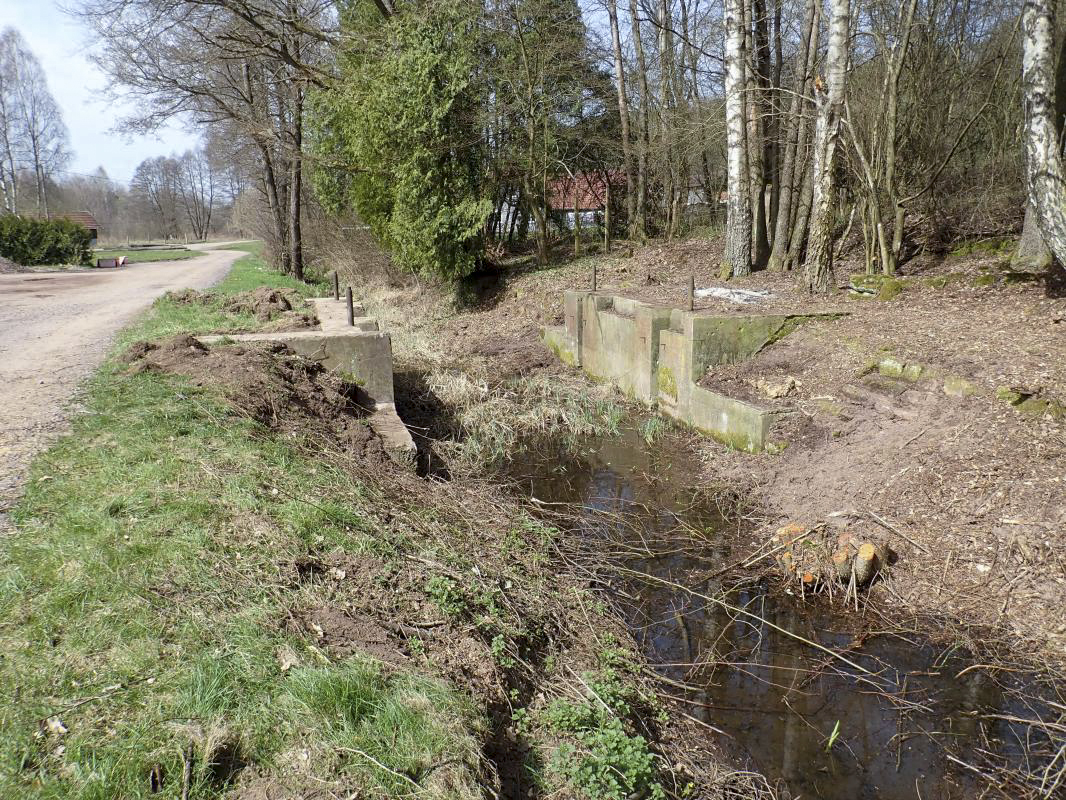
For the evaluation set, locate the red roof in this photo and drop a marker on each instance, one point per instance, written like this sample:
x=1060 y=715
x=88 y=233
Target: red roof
x=586 y=191
x=83 y=218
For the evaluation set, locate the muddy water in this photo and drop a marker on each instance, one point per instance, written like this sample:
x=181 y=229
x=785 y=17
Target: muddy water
x=777 y=699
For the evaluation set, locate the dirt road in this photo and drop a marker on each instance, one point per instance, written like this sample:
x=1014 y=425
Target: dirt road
x=55 y=328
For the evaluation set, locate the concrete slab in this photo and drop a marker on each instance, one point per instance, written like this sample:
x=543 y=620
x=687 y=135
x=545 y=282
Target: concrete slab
x=333 y=315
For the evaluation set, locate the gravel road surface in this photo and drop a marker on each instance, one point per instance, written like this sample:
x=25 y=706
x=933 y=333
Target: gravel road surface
x=55 y=329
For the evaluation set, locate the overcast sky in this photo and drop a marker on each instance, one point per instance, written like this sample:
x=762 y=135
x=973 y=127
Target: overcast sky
x=59 y=44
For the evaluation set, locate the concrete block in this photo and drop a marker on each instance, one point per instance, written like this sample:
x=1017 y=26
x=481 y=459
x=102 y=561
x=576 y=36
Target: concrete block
x=395 y=437
x=333 y=315
x=573 y=304
x=658 y=355
x=740 y=425
x=560 y=342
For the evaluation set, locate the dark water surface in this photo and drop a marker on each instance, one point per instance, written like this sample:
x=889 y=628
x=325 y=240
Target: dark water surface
x=778 y=698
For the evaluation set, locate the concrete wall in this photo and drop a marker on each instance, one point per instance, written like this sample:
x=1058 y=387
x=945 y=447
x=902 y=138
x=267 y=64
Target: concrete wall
x=658 y=354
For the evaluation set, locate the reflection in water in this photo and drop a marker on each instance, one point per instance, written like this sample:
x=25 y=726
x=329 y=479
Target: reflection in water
x=778 y=698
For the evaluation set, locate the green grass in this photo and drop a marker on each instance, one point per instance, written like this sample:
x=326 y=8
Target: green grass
x=144 y=600
x=142 y=256
x=254 y=247
x=249 y=272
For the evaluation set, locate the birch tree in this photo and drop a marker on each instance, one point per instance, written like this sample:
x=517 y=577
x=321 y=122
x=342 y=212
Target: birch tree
x=738 y=210
x=1043 y=151
x=623 y=113
x=8 y=121
x=829 y=96
x=32 y=132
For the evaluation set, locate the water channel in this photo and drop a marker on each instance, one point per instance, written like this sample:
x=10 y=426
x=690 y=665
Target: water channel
x=919 y=726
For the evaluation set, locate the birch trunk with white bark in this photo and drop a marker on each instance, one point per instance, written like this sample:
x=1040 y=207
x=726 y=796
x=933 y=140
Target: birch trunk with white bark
x=830 y=100
x=738 y=208
x=1043 y=150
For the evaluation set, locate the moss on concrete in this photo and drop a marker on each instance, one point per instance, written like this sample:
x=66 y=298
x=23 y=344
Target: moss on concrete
x=891 y=366
x=882 y=287
x=666 y=381
x=1031 y=404
x=894 y=367
x=891 y=288
x=562 y=352
x=1008 y=395
x=996 y=246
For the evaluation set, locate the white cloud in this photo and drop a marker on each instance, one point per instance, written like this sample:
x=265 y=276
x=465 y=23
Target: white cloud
x=61 y=44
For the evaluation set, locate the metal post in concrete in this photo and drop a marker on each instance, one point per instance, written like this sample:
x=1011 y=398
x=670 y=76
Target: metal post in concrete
x=691 y=292
x=351 y=308
x=336 y=286
x=593 y=277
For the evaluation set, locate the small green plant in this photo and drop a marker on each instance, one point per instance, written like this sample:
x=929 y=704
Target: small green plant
x=499 y=651
x=448 y=596
x=604 y=760
x=833 y=737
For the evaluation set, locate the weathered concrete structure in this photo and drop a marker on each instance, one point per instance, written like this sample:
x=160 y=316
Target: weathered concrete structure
x=658 y=355
x=360 y=353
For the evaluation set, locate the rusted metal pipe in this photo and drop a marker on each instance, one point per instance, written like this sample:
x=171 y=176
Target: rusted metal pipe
x=594 y=277
x=691 y=292
x=351 y=307
x=336 y=286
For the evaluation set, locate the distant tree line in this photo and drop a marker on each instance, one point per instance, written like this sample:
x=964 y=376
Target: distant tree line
x=794 y=125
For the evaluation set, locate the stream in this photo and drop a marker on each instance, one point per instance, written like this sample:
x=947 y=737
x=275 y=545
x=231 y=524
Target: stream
x=925 y=721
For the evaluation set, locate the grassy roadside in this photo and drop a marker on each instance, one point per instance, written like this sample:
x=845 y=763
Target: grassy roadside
x=142 y=598
x=171 y=316
x=145 y=256
x=155 y=598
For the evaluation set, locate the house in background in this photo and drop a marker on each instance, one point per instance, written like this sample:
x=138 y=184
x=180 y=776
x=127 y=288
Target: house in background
x=585 y=193
x=85 y=219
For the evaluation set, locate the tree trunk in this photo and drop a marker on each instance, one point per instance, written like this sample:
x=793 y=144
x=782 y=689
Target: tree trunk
x=758 y=141
x=795 y=138
x=738 y=209
x=830 y=100
x=640 y=227
x=623 y=113
x=1032 y=253
x=1047 y=183
x=296 y=252
x=274 y=204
